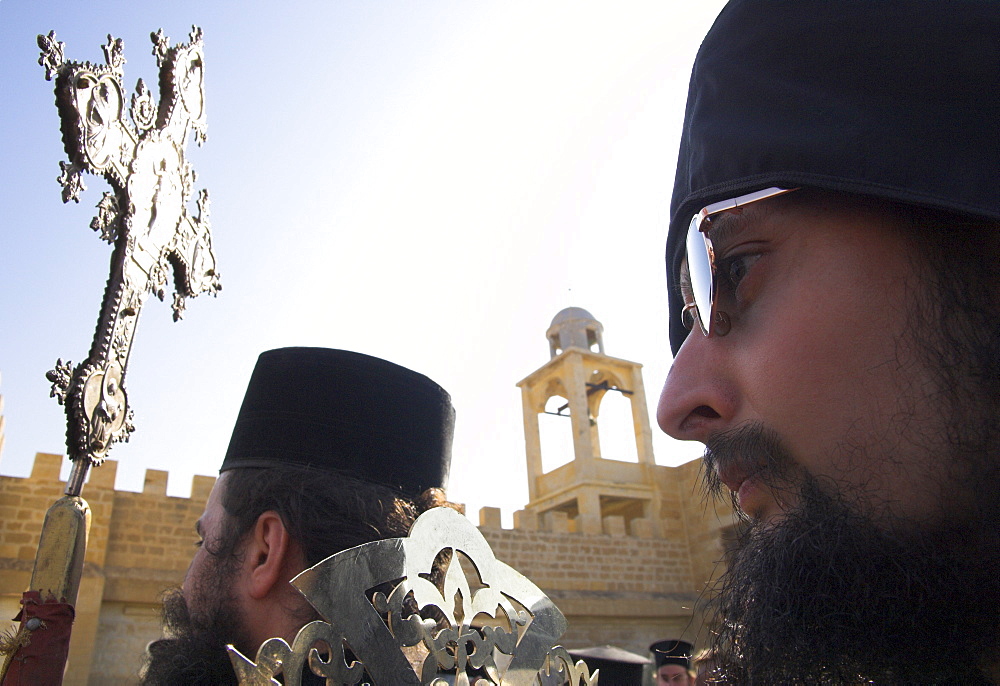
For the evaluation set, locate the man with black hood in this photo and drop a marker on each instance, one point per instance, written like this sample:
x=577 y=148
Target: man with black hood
x=331 y=449
x=834 y=270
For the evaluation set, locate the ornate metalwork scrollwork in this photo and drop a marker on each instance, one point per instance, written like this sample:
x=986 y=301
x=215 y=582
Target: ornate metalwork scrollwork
x=431 y=609
x=139 y=150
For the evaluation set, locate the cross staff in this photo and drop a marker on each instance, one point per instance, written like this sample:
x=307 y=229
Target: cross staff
x=139 y=149
x=145 y=217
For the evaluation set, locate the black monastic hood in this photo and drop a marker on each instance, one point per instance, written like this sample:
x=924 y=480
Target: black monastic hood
x=896 y=99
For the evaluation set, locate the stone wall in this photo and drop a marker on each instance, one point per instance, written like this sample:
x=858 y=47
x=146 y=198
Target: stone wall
x=613 y=589
x=140 y=545
x=626 y=590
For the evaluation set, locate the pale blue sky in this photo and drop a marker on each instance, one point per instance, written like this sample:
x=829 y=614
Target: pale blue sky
x=429 y=182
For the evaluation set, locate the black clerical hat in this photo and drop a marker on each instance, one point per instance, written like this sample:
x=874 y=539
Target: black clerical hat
x=343 y=411
x=897 y=100
x=618 y=666
x=672 y=652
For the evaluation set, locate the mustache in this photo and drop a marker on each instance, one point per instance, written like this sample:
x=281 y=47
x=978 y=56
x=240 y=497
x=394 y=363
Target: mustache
x=750 y=449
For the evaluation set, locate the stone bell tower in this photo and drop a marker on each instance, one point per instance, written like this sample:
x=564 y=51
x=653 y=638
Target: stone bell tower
x=592 y=492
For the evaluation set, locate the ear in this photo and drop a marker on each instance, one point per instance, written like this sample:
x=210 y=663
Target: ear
x=270 y=554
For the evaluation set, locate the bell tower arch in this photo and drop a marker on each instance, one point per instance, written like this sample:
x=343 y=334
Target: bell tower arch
x=590 y=488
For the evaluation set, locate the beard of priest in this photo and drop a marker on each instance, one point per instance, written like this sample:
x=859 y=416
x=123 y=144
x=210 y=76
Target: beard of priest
x=332 y=449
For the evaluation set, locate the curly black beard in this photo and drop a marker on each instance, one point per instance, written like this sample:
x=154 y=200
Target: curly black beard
x=827 y=596
x=195 y=652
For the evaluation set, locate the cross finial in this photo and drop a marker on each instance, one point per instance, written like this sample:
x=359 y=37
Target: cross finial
x=139 y=149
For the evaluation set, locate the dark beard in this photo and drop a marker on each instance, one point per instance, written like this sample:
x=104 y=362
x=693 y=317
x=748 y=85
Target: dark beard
x=827 y=596
x=196 y=652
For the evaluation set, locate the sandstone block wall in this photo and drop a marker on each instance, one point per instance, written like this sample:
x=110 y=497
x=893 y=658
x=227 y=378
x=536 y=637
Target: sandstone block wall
x=140 y=544
x=625 y=591
x=625 y=587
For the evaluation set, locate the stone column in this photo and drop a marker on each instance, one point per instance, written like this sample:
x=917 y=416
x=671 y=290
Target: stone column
x=640 y=419
x=532 y=442
x=579 y=410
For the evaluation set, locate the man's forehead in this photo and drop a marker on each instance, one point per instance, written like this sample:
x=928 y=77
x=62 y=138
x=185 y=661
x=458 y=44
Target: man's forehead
x=213 y=506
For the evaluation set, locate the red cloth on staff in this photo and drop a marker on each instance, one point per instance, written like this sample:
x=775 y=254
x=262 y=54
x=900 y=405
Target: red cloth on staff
x=41 y=658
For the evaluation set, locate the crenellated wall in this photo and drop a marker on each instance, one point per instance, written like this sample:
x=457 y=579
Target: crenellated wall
x=633 y=582
x=140 y=544
x=625 y=586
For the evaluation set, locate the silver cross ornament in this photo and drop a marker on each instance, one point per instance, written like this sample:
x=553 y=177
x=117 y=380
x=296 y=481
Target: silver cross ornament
x=137 y=145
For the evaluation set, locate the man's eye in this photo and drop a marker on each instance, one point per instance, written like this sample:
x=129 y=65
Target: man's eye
x=734 y=269
x=199 y=543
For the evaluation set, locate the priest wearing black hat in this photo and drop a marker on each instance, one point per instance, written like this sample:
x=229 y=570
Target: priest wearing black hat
x=833 y=262
x=672 y=660
x=331 y=449
x=615 y=665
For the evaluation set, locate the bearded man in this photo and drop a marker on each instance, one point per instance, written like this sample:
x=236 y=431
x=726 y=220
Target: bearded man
x=834 y=270
x=331 y=449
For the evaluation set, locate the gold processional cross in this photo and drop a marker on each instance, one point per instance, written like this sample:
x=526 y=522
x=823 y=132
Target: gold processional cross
x=139 y=149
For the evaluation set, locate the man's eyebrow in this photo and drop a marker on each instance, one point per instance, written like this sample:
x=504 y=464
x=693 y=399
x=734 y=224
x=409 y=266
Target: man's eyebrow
x=197 y=528
x=722 y=226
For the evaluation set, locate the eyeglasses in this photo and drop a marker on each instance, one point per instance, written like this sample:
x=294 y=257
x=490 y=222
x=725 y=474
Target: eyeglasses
x=701 y=263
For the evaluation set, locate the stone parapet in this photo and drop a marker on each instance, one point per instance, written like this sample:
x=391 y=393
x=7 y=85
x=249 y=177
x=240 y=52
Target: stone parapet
x=489 y=518
x=576 y=562
x=634 y=581
x=139 y=545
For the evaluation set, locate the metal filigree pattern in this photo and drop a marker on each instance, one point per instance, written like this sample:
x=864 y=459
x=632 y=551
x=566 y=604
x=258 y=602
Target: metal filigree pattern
x=143 y=107
x=560 y=669
x=71 y=179
x=61 y=377
x=434 y=608
x=52 y=54
x=108 y=220
x=276 y=656
x=139 y=149
x=114 y=53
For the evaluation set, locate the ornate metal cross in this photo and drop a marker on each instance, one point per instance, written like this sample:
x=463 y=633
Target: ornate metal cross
x=145 y=217
x=139 y=149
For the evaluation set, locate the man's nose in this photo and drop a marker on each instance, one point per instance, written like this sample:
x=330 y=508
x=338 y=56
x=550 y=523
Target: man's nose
x=699 y=397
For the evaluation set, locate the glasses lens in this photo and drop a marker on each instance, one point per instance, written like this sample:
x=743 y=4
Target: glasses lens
x=700 y=261
x=700 y=271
